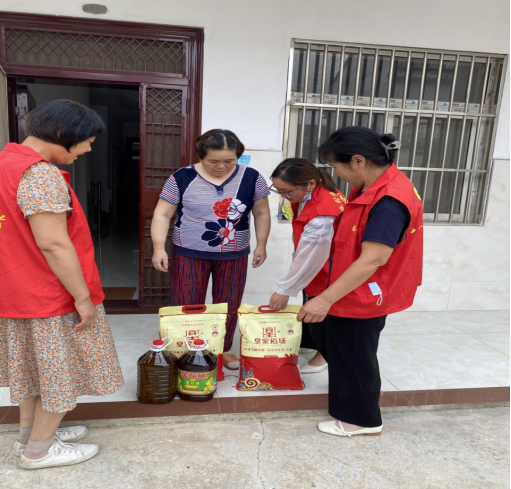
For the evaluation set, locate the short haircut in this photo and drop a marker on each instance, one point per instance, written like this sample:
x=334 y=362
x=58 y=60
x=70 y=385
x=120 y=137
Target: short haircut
x=218 y=139
x=63 y=122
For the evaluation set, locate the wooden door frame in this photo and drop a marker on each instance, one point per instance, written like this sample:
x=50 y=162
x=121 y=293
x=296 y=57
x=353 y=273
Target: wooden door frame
x=191 y=79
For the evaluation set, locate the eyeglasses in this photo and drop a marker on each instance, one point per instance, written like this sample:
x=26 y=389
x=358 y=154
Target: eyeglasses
x=286 y=195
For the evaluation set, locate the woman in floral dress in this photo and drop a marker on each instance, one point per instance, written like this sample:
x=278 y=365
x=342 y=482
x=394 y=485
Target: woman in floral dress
x=212 y=201
x=55 y=342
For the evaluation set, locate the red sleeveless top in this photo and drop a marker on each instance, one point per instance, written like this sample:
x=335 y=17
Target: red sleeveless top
x=399 y=278
x=28 y=286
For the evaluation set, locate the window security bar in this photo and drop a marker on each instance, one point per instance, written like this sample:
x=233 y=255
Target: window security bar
x=442 y=105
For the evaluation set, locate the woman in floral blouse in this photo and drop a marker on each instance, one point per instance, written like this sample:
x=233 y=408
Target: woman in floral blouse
x=212 y=201
x=55 y=342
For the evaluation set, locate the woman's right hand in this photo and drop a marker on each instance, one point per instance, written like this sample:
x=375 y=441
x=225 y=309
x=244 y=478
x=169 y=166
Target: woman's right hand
x=278 y=302
x=161 y=260
x=87 y=312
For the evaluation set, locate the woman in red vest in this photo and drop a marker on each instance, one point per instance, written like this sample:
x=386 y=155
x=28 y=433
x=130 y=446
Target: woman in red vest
x=55 y=342
x=316 y=205
x=376 y=269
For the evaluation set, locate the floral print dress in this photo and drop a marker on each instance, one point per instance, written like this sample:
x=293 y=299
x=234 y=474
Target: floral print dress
x=45 y=356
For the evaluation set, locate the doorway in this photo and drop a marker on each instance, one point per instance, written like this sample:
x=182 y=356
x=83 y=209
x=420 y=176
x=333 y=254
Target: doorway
x=159 y=69
x=106 y=181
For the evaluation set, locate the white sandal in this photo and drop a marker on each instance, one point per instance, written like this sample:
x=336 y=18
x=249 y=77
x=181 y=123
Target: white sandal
x=335 y=427
x=313 y=369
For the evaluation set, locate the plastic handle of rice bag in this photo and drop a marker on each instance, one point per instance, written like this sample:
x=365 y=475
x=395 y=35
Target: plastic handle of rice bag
x=197 y=309
x=264 y=309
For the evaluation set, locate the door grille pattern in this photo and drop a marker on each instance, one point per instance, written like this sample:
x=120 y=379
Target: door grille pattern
x=156 y=284
x=163 y=134
x=93 y=52
x=163 y=143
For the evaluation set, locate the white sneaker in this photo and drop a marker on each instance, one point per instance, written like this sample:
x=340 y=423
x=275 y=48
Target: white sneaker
x=61 y=454
x=335 y=427
x=69 y=434
x=305 y=351
x=313 y=369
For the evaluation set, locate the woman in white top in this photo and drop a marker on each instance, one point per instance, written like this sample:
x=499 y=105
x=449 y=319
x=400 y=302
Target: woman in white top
x=317 y=205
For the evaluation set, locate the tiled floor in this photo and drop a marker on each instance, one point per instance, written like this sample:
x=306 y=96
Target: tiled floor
x=418 y=351
x=118 y=260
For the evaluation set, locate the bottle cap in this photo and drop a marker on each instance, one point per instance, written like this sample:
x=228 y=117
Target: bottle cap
x=198 y=342
x=157 y=343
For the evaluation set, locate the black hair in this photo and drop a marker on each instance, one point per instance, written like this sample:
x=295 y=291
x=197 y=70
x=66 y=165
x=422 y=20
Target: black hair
x=218 y=139
x=299 y=171
x=343 y=144
x=63 y=122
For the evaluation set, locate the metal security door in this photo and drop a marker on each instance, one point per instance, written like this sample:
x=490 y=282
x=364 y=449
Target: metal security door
x=4 y=110
x=21 y=103
x=163 y=150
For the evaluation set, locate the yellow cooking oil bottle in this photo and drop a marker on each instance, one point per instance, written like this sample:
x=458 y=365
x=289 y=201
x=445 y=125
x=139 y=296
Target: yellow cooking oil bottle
x=197 y=370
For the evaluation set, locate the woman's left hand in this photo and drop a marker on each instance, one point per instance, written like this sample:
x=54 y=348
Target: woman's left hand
x=278 y=302
x=314 y=310
x=259 y=256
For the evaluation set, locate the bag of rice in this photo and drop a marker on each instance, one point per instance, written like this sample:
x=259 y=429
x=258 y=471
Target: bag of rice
x=179 y=322
x=270 y=341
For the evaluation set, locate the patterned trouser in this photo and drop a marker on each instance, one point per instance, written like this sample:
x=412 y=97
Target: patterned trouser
x=189 y=285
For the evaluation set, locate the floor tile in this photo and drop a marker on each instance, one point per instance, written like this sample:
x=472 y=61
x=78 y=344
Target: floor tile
x=9 y=415
x=176 y=407
x=419 y=351
x=418 y=362
x=457 y=396
x=259 y=404
x=499 y=341
x=4 y=396
x=134 y=327
x=417 y=323
x=476 y=321
x=386 y=385
x=392 y=399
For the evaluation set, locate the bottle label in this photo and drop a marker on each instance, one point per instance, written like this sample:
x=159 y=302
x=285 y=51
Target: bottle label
x=196 y=383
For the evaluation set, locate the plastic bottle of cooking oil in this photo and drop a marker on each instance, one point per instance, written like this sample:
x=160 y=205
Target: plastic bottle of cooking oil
x=157 y=375
x=197 y=369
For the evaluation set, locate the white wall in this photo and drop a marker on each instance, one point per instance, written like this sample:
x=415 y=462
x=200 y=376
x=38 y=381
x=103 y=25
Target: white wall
x=245 y=79
x=247 y=43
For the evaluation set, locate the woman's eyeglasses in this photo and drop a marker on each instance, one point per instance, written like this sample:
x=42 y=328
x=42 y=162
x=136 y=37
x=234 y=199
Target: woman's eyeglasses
x=286 y=195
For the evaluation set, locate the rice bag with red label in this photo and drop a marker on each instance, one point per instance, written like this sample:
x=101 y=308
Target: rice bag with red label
x=270 y=341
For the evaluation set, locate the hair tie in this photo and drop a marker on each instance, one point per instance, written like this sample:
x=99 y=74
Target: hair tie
x=392 y=145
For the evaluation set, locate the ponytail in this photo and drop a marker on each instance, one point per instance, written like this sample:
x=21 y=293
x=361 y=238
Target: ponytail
x=327 y=181
x=299 y=171
x=343 y=144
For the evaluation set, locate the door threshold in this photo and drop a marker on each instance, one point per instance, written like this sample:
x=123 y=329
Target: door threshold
x=121 y=307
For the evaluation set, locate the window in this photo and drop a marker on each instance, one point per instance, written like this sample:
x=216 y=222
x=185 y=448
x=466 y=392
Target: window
x=441 y=105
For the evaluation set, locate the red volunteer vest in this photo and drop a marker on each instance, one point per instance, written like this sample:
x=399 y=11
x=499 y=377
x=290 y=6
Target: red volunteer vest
x=322 y=203
x=399 y=278
x=28 y=287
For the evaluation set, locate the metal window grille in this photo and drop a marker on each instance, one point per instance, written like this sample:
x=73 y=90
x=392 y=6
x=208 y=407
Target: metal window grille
x=98 y=52
x=163 y=135
x=441 y=105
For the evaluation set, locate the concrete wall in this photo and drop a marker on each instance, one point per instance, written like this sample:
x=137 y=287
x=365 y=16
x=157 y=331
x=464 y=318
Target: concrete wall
x=245 y=80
